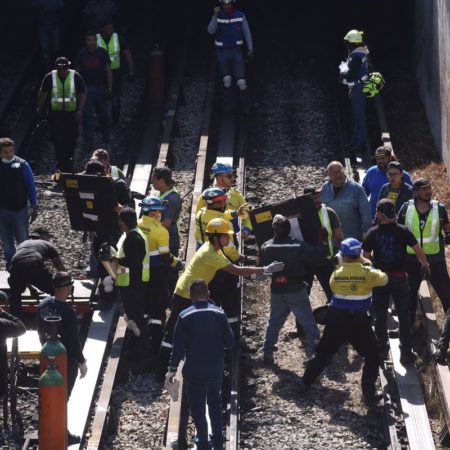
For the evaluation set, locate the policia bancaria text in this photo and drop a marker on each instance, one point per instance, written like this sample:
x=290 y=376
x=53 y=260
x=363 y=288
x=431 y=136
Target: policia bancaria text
x=348 y=320
x=208 y=259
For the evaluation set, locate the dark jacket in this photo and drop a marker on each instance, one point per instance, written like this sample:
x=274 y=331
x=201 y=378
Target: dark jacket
x=202 y=333
x=405 y=194
x=296 y=256
x=10 y=327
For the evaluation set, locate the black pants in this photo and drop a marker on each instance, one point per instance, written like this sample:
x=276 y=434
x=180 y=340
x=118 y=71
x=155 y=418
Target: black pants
x=116 y=92
x=64 y=134
x=398 y=287
x=352 y=327
x=72 y=372
x=23 y=274
x=132 y=298
x=225 y=293
x=156 y=303
x=323 y=274
x=439 y=280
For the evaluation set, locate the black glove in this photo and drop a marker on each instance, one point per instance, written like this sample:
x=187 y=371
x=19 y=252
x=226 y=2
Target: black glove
x=425 y=272
x=104 y=252
x=447 y=239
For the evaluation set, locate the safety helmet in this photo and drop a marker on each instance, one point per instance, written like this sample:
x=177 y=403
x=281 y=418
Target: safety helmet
x=218 y=226
x=350 y=247
x=152 y=204
x=373 y=84
x=213 y=195
x=225 y=2
x=221 y=168
x=354 y=37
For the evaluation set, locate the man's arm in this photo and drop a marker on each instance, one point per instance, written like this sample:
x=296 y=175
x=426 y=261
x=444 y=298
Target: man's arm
x=129 y=60
x=72 y=339
x=364 y=211
x=212 y=27
x=379 y=278
x=10 y=326
x=420 y=255
x=247 y=35
x=29 y=184
x=59 y=265
x=109 y=78
x=179 y=345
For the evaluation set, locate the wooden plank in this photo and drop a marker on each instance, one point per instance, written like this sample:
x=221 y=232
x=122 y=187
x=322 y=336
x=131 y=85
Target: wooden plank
x=441 y=372
x=83 y=392
x=412 y=401
x=102 y=407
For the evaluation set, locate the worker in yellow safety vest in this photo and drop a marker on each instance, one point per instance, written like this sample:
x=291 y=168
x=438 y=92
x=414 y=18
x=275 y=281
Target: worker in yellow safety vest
x=428 y=220
x=116 y=46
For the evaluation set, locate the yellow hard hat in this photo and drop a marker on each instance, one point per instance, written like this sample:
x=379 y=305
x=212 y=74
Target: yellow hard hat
x=218 y=226
x=354 y=37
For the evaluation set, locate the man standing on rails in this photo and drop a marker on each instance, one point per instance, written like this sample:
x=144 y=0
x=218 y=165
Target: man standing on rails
x=161 y=260
x=202 y=333
x=94 y=65
x=348 y=199
x=353 y=72
x=388 y=242
x=28 y=267
x=376 y=176
x=116 y=46
x=427 y=219
x=204 y=265
x=288 y=288
x=230 y=28
x=347 y=319
x=67 y=98
x=17 y=191
x=224 y=179
x=396 y=189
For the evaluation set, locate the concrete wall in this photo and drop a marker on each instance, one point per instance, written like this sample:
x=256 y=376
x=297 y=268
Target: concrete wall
x=432 y=63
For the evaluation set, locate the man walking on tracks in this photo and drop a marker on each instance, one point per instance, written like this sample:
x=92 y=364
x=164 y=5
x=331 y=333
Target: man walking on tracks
x=348 y=321
x=67 y=97
x=202 y=334
x=427 y=219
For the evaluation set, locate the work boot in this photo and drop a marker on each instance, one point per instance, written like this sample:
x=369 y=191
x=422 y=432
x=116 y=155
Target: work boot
x=371 y=400
x=440 y=355
x=72 y=439
x=132 y=325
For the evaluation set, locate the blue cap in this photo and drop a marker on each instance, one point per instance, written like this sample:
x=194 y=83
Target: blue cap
x=351 y=247
x=152 y=204
x=221 y=168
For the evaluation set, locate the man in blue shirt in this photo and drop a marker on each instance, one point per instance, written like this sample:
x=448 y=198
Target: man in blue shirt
x=17 y=191
x=201 y=334
x=376 y=177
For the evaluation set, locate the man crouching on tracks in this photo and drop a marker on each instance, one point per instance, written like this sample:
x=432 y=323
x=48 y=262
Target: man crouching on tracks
x=347 y=319
x=288 y=288
x=203 y=338
x=208 y=259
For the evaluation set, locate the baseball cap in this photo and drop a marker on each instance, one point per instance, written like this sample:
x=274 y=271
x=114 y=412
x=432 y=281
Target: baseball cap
x=395 y=165
x=420 y=183
x=311 y=189
x=383 y=151
x=61 y=279
x=387 y=208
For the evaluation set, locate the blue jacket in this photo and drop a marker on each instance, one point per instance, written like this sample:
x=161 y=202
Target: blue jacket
x=230 y=30
x=357 y=66
x=351 y=206
x=373 y=182
x=201 y=334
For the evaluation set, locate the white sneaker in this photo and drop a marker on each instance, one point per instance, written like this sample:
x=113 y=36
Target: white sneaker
x=134 y=328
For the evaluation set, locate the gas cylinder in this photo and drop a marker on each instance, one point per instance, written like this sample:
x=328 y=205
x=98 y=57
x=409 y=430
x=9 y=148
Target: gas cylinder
x=52 y=410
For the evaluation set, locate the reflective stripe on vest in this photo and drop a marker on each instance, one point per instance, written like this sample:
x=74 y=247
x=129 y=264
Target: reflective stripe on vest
x=63 y=92
x=429 y=239
x=113 y=49
x=229 y=32
x=325 y=221
x=123 y=273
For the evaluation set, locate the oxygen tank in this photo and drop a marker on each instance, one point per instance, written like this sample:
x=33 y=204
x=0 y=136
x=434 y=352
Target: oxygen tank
x=52 y=410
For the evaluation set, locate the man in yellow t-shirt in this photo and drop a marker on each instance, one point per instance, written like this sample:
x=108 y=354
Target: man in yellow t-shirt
x=204 y=265
x=161 y=260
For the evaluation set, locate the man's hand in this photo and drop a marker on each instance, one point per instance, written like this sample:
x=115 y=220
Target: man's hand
x=250 y=56
x=32 y=213
x=274 y=267
x=242 y=211
x=425 y=272
x=82 y=367
x=216 y=10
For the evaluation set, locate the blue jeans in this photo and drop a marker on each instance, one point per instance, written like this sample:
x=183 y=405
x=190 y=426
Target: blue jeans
x=48 y=36
x=13 y=228
x=95 y=99
x=280 y=307
x=198 y=394
x=231 y=62
x=358 y=101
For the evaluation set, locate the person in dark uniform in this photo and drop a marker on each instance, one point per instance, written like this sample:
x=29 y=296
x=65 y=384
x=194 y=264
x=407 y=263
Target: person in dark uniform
x=428 y=221
x=348 y=321
x=27 y=267
x=202 y=333
x=67 y=97
x=10 y=327
x=56 y=306
x=118 y=50
x=387 y=241
x=288 y=288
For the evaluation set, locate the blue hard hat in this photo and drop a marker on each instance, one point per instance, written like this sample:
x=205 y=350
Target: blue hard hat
x=221 y=168
x=212 y=195
x=351 y=247
x=152 y=204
